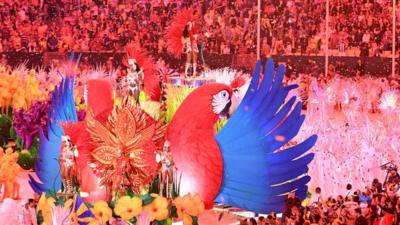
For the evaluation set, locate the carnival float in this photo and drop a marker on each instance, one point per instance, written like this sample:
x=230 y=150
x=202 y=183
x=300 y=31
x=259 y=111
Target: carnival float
x=150 y=147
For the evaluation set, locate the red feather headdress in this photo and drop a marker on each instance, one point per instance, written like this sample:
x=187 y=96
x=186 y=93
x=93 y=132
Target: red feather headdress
x=151 y=80
x=174 y=32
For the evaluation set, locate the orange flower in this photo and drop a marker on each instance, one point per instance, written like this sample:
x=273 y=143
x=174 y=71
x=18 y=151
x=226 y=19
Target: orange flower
x=102 y=212
x=158 y=209
x=188 y=206
x=128 y=207
x=196 y=207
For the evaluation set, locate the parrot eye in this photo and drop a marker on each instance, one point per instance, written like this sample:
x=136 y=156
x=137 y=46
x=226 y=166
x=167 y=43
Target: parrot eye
x=220 y=101
x=224 y=94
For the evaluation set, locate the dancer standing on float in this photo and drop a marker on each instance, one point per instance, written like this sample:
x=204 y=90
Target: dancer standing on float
x=166 y=170
x=190 y=47
x=68 y=165
x=141 y=74
x=134 y=79
x=182 y=36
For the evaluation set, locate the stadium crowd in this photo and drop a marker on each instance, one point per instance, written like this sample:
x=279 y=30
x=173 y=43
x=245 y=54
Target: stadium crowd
x=377 y=204
x=287 y=27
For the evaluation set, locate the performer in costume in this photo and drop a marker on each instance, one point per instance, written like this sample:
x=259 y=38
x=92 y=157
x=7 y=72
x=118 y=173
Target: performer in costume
x=141 y=73
x=191 y=49
x=182 y=37
x=134 y=79
x=68 y=167
x=164 y=158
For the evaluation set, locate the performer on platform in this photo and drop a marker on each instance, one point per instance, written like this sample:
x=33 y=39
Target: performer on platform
x=68 y=165
x=191 y=49
x=141 y=76
x=166 y=169
x=134 y=79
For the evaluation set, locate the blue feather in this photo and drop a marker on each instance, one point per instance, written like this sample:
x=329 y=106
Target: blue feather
x=47 y=166
x=257 y=176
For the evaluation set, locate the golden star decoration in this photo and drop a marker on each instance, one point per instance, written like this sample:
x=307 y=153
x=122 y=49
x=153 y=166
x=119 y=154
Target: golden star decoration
x=125 y=146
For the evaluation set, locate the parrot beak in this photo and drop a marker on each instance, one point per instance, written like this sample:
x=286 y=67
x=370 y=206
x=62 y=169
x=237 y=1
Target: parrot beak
x=226 y=110
x=235 y=102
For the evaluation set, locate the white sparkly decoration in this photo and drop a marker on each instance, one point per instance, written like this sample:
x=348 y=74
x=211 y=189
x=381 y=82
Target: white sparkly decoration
x=389 y=100
x=355 y=140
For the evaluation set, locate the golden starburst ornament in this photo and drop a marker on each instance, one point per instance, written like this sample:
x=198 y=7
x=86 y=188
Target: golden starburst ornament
x=124 y=147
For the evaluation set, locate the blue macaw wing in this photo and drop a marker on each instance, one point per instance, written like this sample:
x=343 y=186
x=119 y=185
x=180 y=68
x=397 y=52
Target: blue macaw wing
x=256 y=175
x=47 y=166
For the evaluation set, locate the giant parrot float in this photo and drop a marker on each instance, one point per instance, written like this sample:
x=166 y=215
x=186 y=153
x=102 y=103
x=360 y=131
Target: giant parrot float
x=246 y=164
x=243 y=165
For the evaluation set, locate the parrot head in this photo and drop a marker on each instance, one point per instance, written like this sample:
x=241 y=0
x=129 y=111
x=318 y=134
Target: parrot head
x=203 y=107
x=212 y=100
x=221 y=102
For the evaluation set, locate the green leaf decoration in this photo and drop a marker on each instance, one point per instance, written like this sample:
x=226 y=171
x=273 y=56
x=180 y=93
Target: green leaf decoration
x=13 y=134
x=174 y=211
x=59 y=201
x=18 y=142
x=25 y=160
x=174 y=98
x=147 y=199
x=51 y=193
x=155 y=222
x=168 y=221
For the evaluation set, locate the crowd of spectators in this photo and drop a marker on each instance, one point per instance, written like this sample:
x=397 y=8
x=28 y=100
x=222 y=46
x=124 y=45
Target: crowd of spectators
x=377 y=204
x=81 y=25
x=361 y=27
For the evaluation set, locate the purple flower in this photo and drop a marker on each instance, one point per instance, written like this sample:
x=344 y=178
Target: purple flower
x=27 y=123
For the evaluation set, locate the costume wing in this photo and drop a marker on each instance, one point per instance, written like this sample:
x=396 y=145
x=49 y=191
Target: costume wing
x=257 y=172
x=47 y=166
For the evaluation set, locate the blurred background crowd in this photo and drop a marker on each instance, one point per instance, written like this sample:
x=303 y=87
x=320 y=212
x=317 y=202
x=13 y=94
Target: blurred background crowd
x=357 y=27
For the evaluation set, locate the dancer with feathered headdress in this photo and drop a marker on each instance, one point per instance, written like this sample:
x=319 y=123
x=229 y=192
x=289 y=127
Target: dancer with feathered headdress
x=182 y=36
x=141 y=73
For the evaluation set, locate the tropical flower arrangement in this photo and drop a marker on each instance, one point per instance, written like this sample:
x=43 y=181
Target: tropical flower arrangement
x=19 y=90
x=24 y=106
x=144 y=210
x=27 y=123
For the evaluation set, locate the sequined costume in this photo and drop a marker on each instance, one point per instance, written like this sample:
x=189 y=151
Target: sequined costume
x=68 y=166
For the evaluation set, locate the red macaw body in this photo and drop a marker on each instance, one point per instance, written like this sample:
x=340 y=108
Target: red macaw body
x=195 y=152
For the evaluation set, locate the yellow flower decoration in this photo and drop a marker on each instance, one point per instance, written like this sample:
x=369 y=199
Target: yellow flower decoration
x=102 y=212
x=188 y=206
x=158 y=209
x=128 y=207
x=68 y=203
x=45 y=205
x=20 y=89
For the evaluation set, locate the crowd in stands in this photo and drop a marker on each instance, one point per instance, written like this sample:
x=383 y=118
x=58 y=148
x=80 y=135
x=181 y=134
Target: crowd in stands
x=287 y=26
x=356 y=28
x=377 y=204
